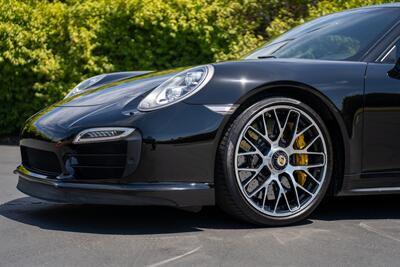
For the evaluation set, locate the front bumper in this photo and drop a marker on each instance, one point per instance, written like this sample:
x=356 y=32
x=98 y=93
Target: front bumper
x=136 y=194
x=168 y=160
x=175 y=144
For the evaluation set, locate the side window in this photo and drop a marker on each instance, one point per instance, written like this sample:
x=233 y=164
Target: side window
x=392 y=54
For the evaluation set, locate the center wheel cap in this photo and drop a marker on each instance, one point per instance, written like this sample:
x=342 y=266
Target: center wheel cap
x=279 y=160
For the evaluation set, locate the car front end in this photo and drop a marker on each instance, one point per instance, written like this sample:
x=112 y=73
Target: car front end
x=99 y=146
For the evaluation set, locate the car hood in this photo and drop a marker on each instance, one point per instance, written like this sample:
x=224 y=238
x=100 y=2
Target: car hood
x=122 y=90
x=106 y=105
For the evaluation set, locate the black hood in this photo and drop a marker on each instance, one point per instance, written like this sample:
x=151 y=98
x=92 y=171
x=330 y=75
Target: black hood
x=103 y=106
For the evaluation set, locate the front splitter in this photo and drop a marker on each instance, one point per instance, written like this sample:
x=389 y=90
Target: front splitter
x=135 y=194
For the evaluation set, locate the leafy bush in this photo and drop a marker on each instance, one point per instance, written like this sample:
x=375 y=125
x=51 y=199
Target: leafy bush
x=46 y=47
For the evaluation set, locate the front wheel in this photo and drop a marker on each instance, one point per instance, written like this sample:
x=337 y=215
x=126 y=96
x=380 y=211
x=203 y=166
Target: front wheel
x=274 y=163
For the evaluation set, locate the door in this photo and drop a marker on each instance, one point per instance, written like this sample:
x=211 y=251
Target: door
x=381 y=143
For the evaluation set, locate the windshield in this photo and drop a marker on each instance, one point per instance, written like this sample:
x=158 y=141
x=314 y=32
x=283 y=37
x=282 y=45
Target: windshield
x=341 y=36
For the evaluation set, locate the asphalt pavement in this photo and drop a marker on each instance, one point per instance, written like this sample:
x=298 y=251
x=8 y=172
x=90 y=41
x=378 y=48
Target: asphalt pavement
x=352 y=231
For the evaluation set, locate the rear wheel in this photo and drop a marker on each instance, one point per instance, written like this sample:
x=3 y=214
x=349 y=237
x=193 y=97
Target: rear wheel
x=275 y=163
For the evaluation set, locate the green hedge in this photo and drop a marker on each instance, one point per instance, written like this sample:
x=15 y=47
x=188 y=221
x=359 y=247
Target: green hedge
x=46 y=47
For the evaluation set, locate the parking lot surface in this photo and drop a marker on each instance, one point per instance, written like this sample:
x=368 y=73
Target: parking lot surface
x=358 y=231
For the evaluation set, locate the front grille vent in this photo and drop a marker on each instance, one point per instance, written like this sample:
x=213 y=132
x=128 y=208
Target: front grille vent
x=98 y=161
x=40 y=161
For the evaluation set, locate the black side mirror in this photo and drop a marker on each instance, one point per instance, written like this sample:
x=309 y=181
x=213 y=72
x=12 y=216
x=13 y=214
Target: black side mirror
x=395 y=72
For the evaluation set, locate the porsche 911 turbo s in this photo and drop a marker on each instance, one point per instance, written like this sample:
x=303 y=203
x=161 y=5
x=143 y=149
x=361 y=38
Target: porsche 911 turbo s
x=314 y=112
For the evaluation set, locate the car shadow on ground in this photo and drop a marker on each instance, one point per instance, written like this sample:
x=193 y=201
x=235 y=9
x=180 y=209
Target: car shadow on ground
x=125 y=220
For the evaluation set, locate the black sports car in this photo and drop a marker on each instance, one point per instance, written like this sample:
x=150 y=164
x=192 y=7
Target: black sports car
x=315 y=111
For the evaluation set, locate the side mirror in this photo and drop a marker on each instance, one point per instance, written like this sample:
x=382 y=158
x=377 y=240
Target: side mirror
x=395 y=72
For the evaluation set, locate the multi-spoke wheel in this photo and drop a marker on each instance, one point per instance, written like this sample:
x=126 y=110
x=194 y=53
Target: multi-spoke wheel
x=276 y=162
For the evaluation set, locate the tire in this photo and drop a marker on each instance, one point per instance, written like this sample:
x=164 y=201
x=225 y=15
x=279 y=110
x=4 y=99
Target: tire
x=249 y=158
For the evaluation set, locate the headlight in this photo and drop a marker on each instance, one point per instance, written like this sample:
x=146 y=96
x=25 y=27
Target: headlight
x=177 y=88
x=83 y=86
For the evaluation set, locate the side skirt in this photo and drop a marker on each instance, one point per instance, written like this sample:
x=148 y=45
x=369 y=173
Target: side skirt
x=370 y=184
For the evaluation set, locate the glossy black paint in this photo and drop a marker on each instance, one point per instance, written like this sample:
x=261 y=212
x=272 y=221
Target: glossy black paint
x=343 y=97
x=178 y=143
x=171 y=136
x=382 y=122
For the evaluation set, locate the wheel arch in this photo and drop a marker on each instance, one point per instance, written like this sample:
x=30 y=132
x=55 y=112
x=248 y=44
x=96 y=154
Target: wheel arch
x=316 y=100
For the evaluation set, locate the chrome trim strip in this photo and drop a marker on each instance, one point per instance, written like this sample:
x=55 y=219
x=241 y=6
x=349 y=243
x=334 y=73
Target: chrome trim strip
x=375 y=189
x=127 y=131
x=223 y=109
x=388 y=53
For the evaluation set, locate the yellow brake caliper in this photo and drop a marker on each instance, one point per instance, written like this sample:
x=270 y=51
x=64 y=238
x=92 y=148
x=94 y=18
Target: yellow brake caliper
x=301 y=159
